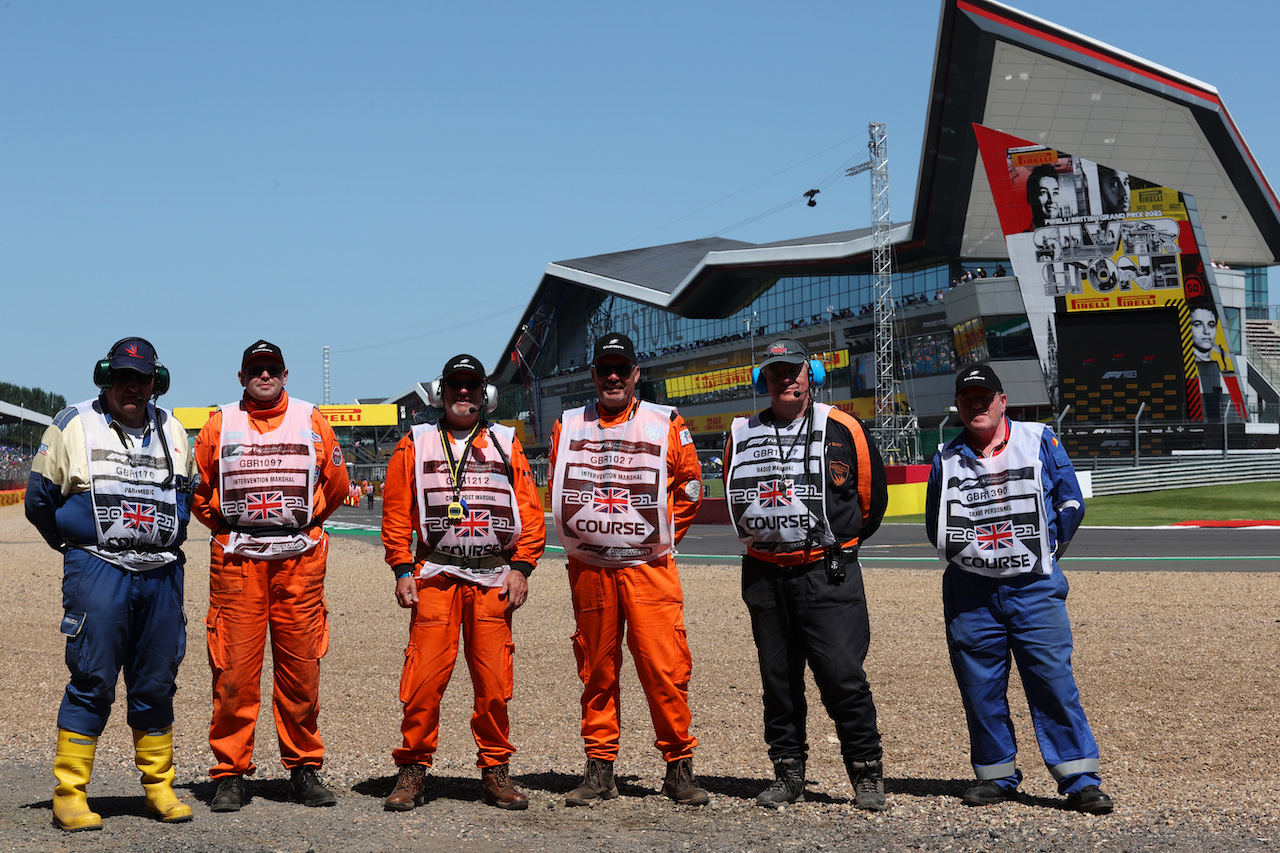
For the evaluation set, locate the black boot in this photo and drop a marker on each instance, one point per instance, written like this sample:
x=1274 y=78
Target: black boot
x=307 y=789
x=788 y=785
x=867 y=778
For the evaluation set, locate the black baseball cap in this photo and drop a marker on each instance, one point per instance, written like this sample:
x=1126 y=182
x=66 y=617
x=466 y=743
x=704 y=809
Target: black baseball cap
x=261 y=349
x=978 y=376
x=615 y=344
x=785 y=351
x=134 y=354
x=463 y=364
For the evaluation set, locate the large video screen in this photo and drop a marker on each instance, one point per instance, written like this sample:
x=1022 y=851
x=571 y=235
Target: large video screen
x=1110 y=364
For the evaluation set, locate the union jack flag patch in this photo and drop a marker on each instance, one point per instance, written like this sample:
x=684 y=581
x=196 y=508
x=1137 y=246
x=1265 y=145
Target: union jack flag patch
x=141 y=517
x=991 y=537
x=263 y=505
x=774 y=493
x=611 y=500
x=475 y=523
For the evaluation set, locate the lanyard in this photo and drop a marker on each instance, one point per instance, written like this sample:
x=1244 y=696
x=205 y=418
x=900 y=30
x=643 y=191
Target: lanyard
x=803 y=433
x=456 y=467
x=127 y=440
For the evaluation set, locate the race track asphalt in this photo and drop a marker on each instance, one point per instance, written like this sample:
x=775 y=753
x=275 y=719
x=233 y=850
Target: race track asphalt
x=904 y=546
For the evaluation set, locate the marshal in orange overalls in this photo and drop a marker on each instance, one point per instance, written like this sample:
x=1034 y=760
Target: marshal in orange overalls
x=450 y=603
x=644 y=603
x=248 y=595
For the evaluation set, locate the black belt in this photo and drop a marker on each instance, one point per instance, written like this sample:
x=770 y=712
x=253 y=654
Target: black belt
x=480 y=565
x=833 y=561
x=274 y=530
x=124 y=549
x=788 y=567
x=796 y=569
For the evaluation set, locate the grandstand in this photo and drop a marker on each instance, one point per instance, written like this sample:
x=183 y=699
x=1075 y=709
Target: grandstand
x=15 y=457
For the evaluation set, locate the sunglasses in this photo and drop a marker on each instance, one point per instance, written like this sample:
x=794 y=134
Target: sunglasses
x=126 y=376
x=606 y=369
x=459 y=384
x=275 y=371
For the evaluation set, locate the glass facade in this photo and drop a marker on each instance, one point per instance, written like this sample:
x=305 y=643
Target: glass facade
x=792 y=303
x=1231 y=328
x=1256 y=295
x=1009 y=336
x=924 y=355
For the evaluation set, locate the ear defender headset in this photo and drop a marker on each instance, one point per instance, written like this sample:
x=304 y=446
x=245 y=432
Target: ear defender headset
x=817 y=377
x=102 y=370
x=435 y=395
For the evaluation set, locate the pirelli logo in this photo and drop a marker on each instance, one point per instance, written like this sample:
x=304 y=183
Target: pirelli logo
x=1089 y=304
x=380 y=414
x=1034 y=158
x=342 y=414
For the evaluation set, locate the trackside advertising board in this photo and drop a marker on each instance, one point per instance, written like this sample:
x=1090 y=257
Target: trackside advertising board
x=379 y=414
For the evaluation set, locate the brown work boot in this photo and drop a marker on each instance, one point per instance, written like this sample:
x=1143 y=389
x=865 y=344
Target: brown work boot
x=597 y=784
x=410 y=790
x=497 y=790
x=681 y=786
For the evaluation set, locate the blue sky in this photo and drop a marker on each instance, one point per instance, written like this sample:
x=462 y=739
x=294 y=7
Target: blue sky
x=390 y=178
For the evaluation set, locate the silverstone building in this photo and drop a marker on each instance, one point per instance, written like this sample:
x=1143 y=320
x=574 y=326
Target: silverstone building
x=1088 y=315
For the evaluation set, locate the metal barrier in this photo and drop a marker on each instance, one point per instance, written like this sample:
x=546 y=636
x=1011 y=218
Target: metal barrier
x=1097 y=444
x=539 y=466
x=1187 y=472
x=360 y=472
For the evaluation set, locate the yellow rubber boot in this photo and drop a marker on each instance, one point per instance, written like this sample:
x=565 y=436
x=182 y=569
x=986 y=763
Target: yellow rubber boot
x=72 y=767
x=153 y=753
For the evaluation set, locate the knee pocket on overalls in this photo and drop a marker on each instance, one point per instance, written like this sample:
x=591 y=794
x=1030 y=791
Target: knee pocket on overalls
x=580 y=655
x=683 y=665
x=508 y=670
x=407 y=674
x=71 y=626
x=214 y=631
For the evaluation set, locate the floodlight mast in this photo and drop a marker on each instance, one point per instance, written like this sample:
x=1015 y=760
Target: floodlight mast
x=326 y=376
x=893 y=429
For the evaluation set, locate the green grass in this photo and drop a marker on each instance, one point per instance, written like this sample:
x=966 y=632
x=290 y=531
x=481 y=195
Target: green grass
x=1251 y=501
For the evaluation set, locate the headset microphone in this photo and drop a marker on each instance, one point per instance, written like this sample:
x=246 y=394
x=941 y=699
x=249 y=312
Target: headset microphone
x=472 y=410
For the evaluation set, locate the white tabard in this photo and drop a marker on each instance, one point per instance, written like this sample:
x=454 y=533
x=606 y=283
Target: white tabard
x=610 y=486
x=991 y=514
x=135 y=510
x=266 y=483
